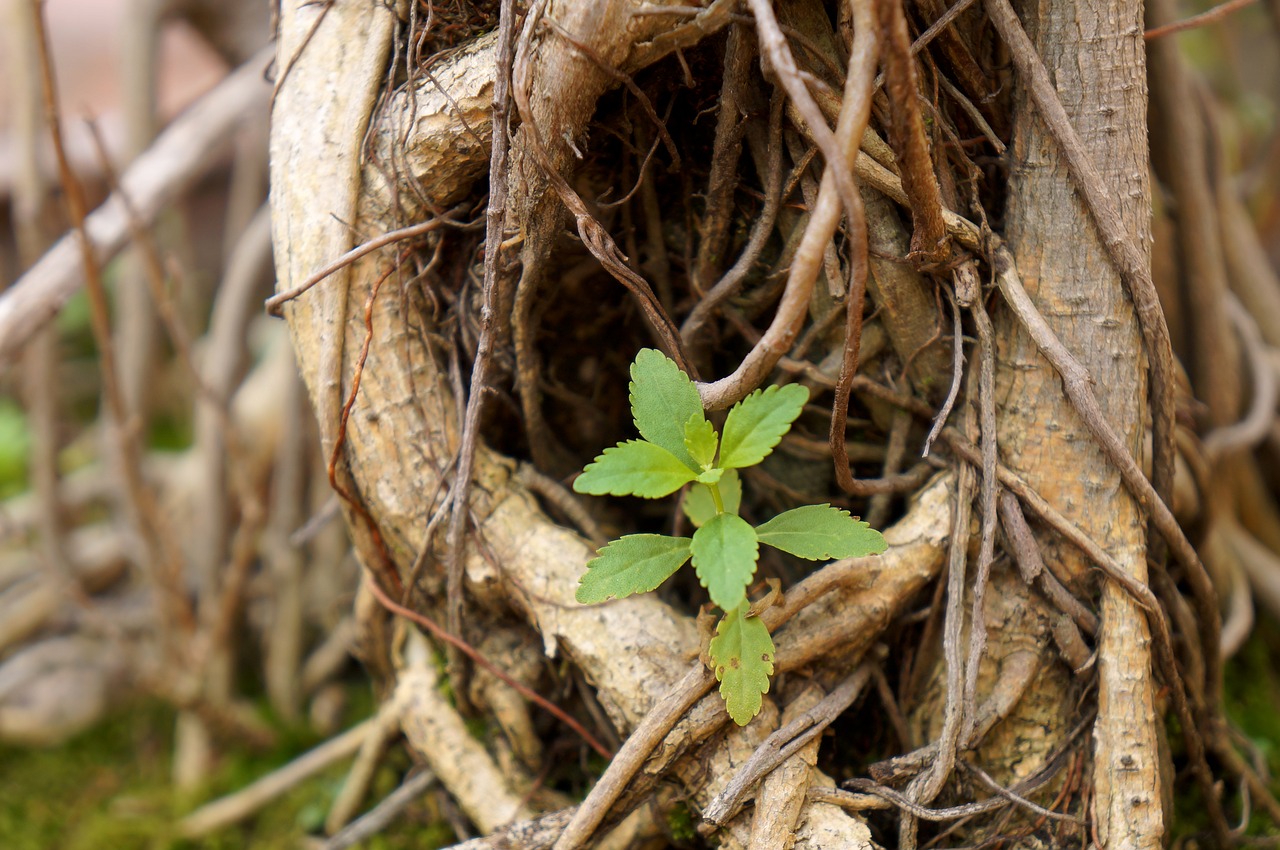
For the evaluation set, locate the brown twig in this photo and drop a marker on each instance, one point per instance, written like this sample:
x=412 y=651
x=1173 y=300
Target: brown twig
x=925 y=787
x=359 y=776
x=895 y=451
x=906 y=135
x=908 y=807
x=774 y=45
x=218 y=600
x=1217 y=13
x=243 y=803
x=783 y=743
x=957 y=374
x=726 y=150
x=179 y=155
x=1256 y=424
x=384 y=814
x=1032 y=567
x=793 y=308
x=761 y=229
x=626 y=79
x=40 y=361
x=990 y=490
x=854 y=113
x=165 y=560
x=563 y=500
x=385 y=565
x=593 y=235
x=935 y=28
x=1012 y=796
x=627 y=761
x=495 y=226
x=1183 y=157
x=275 y=303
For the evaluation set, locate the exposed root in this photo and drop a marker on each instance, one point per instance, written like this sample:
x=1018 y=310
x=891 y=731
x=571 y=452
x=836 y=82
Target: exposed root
x=435 y=729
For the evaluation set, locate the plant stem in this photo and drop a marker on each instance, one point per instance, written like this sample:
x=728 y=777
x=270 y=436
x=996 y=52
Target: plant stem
x=715 y=497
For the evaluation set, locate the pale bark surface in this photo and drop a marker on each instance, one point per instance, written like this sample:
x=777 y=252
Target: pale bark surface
x=1094 y=51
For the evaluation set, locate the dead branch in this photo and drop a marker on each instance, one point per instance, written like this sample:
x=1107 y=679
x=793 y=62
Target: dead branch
x=384 y=814
x=823 y=221
x=248 y=800
x=180 y=154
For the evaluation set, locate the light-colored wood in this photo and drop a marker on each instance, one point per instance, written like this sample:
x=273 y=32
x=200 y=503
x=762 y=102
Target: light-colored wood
x=1094 y=51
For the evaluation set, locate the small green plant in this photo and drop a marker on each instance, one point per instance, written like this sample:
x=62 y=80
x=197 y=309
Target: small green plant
x=681 y=447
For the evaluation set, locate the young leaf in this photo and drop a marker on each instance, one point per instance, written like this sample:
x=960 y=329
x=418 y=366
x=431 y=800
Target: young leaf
x=634 y=468
x=698 y=505
x=819 y=532
x=742 y=653
x=700 y=440
x=663 y=399
x=724 y=554
x=756 y=424
x=636 y=563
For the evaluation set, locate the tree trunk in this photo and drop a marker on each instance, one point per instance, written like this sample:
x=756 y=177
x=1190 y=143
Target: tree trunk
x=1095 y=55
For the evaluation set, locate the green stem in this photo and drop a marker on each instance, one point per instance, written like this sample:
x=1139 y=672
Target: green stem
x=715 y=497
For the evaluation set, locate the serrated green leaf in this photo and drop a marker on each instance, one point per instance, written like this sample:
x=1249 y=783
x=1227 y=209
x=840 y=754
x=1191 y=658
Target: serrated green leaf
x=756 y=424
x=742 y=653
x=698 y=505
x=711 y=476
x=819 y=532
x=700 y=440
x=663 y=399
x=724 y=554
x=636 y=563
x=634 y=468
x=731 y=491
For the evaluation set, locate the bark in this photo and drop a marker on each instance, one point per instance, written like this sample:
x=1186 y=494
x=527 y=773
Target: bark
x=1094 y=51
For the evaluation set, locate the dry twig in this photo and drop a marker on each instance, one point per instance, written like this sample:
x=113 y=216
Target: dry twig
x=179 y=156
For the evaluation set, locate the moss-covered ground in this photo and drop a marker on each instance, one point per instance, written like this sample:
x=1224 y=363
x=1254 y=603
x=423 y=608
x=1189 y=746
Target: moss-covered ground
x=109 y=789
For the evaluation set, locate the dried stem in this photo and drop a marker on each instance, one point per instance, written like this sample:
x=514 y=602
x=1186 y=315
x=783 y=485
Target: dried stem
x=793 y=308
x=495 y=226
x=1130 y=260
x=164 y=559
x=180 y=155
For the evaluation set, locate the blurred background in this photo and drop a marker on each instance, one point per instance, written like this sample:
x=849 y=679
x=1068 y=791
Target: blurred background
x=166 y=636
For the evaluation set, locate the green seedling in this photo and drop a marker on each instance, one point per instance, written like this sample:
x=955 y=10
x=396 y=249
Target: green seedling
x=680 y=447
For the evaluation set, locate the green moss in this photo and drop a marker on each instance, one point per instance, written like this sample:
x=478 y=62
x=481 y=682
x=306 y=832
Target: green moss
x=1252 y=683
x=104 y=789
x=170 y=433
x=109 y=790
x=15 y=445
x=680 y=823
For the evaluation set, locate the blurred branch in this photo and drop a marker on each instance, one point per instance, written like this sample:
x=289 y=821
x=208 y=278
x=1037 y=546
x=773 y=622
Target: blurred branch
x=180 y=155
x=243 y=803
